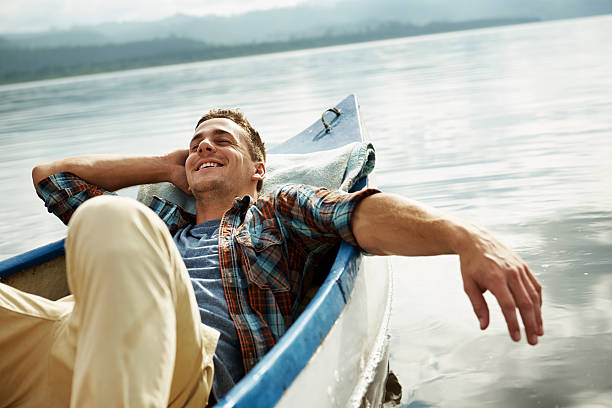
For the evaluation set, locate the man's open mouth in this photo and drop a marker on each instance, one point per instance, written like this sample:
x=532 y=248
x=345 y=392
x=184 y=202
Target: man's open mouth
x=208 y=165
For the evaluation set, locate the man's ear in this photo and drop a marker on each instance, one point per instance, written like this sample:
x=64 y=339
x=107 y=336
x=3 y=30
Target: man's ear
x=260 y=171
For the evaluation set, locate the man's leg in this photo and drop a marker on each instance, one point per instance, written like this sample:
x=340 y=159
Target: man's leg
x=28 y=327
x=139 y=341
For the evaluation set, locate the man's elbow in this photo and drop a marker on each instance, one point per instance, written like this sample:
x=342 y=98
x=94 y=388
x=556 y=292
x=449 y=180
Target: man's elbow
x=40 y=172
x=365 y=225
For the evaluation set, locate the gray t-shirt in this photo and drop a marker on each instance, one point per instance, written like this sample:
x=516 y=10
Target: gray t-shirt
x=198 y=245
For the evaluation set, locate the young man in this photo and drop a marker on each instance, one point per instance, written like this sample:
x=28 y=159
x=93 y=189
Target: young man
x=132 y=334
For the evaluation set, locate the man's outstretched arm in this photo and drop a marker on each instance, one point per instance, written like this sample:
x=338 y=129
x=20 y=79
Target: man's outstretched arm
x=386 y=224
x=116 y=172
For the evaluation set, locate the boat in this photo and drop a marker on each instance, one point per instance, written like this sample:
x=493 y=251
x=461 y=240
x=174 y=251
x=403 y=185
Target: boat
x=336 y=352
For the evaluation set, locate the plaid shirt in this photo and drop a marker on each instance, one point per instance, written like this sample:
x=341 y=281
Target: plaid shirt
x=268 y=248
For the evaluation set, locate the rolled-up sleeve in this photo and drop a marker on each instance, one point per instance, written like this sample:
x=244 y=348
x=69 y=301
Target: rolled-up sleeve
x=314 y=215
x=63 y=193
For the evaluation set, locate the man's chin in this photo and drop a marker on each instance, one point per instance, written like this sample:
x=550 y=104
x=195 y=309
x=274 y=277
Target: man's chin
x=208 y=187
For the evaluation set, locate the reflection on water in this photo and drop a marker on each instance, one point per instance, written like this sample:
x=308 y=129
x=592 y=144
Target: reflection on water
x=506 y=126
x=450 y=363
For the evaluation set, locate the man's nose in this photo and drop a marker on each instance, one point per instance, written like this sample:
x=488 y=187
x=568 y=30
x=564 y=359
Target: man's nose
x=206 y=146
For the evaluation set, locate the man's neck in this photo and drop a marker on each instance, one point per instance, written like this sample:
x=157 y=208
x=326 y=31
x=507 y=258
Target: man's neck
x=212 y=206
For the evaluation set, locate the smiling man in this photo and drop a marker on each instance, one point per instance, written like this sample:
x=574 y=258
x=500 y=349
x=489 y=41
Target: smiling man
x=169 y=307
x=220 y=156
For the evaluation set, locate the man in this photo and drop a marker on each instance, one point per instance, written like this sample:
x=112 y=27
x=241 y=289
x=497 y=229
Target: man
x=132 y=335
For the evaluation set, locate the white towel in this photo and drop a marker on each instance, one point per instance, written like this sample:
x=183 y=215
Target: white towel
x=334 y=169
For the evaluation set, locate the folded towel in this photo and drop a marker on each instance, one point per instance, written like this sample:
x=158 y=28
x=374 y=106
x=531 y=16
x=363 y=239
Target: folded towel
x=335 y=169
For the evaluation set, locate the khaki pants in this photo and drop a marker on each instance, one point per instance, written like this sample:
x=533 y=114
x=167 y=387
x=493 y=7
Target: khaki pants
x=129 y=335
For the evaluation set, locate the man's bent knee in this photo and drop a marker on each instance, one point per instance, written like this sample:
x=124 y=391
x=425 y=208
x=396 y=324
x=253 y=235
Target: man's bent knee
x=109 y=237
x=107 y=210
x=114 y=224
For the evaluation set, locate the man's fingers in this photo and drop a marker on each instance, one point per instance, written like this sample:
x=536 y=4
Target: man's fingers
x=508 y=308
x=527 y=307
x=478 y=302
x=536 y=298
x=535 y=283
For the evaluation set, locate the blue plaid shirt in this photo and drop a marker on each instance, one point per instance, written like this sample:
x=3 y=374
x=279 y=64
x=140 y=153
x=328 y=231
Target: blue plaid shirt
x=269 y=249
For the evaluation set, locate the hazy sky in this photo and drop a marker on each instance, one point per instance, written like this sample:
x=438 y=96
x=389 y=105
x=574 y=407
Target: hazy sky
x=37 y=15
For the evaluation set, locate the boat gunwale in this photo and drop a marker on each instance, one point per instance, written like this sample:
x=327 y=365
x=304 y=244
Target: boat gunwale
x=32 y=258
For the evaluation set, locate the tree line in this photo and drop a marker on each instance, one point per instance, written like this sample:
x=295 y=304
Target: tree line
x=25 y=64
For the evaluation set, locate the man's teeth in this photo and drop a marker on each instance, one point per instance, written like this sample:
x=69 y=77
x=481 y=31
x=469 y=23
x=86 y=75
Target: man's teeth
x=209 y=164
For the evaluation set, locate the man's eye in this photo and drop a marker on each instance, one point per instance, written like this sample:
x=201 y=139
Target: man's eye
x=194 y=148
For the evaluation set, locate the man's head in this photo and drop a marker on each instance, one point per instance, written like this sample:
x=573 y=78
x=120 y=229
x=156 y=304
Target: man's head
x=256 y=146
x=225 y=154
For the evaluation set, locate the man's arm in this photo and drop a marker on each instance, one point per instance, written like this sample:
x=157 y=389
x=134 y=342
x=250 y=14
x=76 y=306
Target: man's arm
x=116 y=172
x=386 y=224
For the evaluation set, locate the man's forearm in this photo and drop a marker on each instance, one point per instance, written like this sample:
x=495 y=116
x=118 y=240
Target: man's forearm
x=108 y=171
x=386 y=224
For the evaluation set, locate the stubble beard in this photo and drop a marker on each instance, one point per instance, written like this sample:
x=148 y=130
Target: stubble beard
x=212 y=189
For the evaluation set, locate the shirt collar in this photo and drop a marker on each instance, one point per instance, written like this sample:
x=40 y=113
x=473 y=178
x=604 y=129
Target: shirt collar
x=243 y=204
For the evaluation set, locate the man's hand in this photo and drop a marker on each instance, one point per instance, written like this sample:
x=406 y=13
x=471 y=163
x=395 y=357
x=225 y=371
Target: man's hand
x=177 y=175
x=487 y=264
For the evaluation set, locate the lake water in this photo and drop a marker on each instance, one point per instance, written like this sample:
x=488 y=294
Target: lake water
x=510 y=127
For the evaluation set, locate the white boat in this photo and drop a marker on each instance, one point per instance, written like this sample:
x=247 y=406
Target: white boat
x=336 y=352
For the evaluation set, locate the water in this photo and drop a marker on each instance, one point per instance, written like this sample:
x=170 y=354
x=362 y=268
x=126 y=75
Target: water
x=509 y=127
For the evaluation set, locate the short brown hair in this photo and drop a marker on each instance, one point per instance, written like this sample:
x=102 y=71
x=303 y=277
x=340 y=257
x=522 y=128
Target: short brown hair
x=256 y=146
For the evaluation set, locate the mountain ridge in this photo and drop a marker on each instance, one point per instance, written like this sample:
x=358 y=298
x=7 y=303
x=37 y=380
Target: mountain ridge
x=25 y=64
x=307 y=21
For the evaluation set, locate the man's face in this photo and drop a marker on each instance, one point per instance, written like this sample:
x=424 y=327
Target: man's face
x=219 y=159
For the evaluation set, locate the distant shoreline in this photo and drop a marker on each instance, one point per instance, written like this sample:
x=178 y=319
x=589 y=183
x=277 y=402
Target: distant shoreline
x=24 y=65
